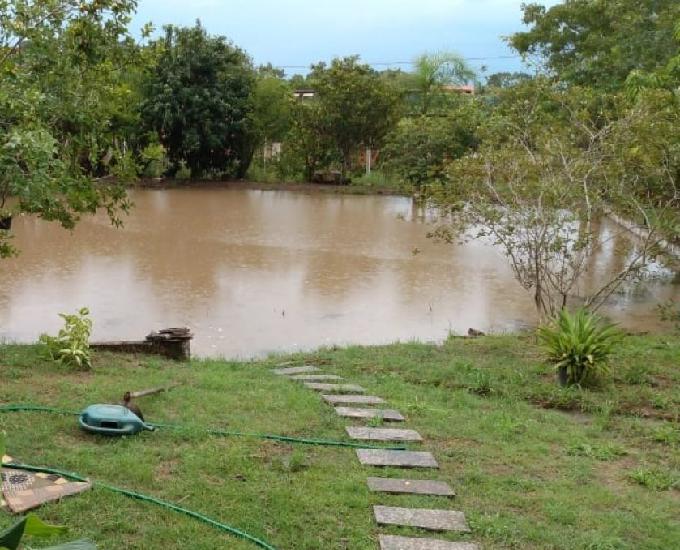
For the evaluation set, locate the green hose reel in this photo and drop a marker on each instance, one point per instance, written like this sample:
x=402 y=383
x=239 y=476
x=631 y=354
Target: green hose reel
x=114 y=420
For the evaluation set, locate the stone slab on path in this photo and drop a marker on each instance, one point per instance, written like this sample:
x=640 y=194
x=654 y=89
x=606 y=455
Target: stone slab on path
x=382 y=434
x=335 y=388
x=396 y=459
x=296 y=370
x=390 y=542
x=353 y=399
x=315 y=377
x=432 y=520
x=388 y=415
x=410 y=486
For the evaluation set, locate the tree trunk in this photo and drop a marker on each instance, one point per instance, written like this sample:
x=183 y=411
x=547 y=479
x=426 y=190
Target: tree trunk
x=563 y=376
x=346 y=164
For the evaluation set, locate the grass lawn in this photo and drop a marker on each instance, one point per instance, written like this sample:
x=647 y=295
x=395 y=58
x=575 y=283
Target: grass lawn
x=534 y=466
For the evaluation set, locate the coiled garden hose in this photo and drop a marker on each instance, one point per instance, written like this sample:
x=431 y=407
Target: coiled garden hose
x=211 y=431
x=145 y=498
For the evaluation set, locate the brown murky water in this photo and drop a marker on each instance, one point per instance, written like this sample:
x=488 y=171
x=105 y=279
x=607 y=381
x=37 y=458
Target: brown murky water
x=258 y=271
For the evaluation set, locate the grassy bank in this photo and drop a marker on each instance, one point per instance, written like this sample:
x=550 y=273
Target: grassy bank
x=533 y=466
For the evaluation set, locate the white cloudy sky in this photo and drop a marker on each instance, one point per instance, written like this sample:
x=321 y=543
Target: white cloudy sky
x=300 y=32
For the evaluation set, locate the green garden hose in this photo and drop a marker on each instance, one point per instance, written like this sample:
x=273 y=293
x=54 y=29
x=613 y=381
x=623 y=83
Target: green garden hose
x=210 y=431
x=145 y=498
x=162 y=503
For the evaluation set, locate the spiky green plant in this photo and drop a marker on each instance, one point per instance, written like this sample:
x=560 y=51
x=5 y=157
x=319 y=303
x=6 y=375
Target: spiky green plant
x=580 y=344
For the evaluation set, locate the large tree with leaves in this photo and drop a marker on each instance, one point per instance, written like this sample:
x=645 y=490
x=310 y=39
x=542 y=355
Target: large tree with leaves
x=357 y=107
x=60 y=93
x=198 y=101
x=553 y=162
x=600 y=42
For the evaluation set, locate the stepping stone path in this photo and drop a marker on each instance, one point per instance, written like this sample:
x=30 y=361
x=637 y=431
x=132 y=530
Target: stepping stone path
x=353 y=399
x=389 y=415
x=382 y=434
x=432 y=520
x=396 y=459
x=296 y=370
x=337 y=388
x=389 y=542
x=316 y=377
x=410 y=486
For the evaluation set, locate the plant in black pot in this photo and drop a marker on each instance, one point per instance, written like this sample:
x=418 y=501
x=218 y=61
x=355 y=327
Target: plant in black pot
x=579 y=345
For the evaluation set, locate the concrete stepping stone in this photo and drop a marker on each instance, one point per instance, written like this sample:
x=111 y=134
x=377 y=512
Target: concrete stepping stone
x=335 y=388
x=316 y=377
x=410 y=486
x=389 y=415
x=297 y=370
x=390 y=542
x=353 y=399
x=396 y=459
x=432 y=520
x=382 y=434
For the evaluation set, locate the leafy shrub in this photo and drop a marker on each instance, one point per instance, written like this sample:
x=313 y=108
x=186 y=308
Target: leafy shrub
x=183 y=172
x=480 y=382
x=603 y=453
x=72 y=345
x=580 y=343
x=154 y=160
x=667 y=434
x=637 y=374
x=419 y=149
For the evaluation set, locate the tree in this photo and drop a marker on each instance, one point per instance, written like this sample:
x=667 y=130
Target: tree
x=420 y=148
x=546 y=173
x=198 y=101
x=600 y=42
x=433 y=73
x=60 y=87
x=309 y=141
x=357 y=107
x=506 y=79
x=272 y=104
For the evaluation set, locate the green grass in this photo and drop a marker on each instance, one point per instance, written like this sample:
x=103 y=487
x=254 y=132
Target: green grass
x=534 y=466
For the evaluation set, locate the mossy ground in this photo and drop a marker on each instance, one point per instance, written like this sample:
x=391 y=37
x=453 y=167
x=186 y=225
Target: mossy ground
x=534 y=466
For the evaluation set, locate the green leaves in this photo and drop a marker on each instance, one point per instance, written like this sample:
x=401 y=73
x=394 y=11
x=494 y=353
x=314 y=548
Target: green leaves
x=32 y=525
x=599 y=42
x=29 y=525
x=355 y=108
x=61 y=92
x=197 y=99
x=71 y=346
x=581 y=343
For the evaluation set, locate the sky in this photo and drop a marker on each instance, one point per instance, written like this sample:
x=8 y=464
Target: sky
x=295 y=33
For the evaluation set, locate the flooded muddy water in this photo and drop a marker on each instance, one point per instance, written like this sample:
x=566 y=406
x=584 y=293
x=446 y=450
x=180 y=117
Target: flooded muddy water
x=258 y=271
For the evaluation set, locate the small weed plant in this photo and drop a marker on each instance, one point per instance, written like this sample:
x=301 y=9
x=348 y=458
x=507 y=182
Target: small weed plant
x=579 y=345
x=72 y=345
x=655 y=479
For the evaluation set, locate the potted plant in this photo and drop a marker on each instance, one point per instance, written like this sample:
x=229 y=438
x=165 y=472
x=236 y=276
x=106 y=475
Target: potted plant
x=579 y=345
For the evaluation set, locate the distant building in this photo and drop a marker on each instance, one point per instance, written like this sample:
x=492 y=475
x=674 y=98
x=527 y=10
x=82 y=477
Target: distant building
x=304 y=93
x=468 y=89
